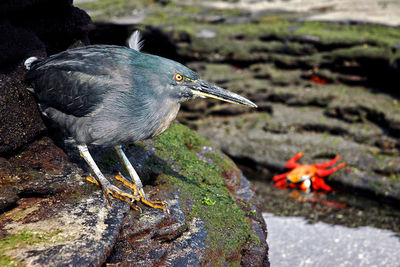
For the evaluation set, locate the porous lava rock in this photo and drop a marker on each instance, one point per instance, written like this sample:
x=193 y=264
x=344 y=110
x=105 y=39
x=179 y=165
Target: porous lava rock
x=31 y=28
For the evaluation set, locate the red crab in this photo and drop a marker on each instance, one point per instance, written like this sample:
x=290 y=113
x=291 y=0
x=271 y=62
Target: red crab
x=306 y=176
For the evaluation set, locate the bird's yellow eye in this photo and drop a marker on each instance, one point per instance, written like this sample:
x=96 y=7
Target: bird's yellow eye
x=178 y=77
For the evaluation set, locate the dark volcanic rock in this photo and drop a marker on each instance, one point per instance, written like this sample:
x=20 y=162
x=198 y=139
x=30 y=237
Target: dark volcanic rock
x=161 y=239
x=190 y=235
x=49 y=215
x=17 y=43
x=30 y=28
x=42 y=169
x=56 y=218
x=20 y=120
x=176 y=240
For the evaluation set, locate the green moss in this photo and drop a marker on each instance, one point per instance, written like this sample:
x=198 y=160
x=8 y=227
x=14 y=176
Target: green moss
x=180 y=17
x=23 y=239
x=395 y=177
x=8 y=262
x=252 y=30
x=350 y=34
x=252 y=212
x=363 y=51
x=104 y=9
x=336 y=142
x=156 y=18
x=207 y=201
x=202 y=183
x=378 y=186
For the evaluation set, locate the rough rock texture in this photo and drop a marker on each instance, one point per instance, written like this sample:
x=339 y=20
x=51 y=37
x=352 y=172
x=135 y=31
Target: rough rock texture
x=206 y=224
x=52 y=217
x=49 y=214
x=19 y=117
x=30 y=28
x=322 y=88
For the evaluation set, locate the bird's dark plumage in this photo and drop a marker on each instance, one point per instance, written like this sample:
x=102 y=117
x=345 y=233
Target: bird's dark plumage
x=95 y=91
x=111 y=95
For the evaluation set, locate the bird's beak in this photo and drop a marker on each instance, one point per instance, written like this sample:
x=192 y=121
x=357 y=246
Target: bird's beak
x=205 y=89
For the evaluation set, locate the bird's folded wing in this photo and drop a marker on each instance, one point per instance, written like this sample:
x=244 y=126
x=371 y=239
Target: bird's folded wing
x=76 y=81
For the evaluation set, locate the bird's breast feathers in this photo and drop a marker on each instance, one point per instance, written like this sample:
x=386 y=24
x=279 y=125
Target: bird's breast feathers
x=166 y=122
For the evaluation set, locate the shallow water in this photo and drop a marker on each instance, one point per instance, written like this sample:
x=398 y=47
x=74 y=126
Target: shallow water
x=332 y=229
x=294 y=242
x=333 y=207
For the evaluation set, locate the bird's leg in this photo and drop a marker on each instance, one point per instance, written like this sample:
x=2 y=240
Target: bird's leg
x=100 y=180
x=137 y=187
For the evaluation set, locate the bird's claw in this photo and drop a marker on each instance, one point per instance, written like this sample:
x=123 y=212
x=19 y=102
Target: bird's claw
x=92 y=180
x=137 y=196
x=139 y=193
x=127 y=183
x=126 y=197
x=145 y=200
x=116 y=193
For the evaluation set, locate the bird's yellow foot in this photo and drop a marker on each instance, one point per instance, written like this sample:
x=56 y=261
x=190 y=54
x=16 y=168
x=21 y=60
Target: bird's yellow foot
x=143 y=198
x=116 y=193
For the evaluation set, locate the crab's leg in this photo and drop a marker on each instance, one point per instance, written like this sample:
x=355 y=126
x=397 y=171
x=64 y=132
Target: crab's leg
x=320 y=183
x=291 y=163
x=324 y=172
x=328 y=163
x=281 y=184
x=280 y=176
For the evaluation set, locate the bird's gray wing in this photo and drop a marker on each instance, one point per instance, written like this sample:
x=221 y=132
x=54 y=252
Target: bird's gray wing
x=76 y=81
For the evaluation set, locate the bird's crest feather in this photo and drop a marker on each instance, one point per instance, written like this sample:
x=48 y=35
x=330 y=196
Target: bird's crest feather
x=135 y=41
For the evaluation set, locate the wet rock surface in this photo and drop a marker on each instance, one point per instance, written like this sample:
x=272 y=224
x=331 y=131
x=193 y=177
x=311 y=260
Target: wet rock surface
x=53 y=232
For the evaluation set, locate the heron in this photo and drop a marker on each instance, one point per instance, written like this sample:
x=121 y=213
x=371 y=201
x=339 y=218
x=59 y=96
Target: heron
x=111 y=95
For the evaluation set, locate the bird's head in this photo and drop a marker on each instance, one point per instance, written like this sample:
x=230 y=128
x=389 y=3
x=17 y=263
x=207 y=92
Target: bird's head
x=189 y=84
x=182 y=83
x=192 y=86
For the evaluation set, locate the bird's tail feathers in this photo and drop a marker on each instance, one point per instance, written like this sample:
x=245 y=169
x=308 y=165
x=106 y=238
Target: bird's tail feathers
x=29 y=61
x=136 y=41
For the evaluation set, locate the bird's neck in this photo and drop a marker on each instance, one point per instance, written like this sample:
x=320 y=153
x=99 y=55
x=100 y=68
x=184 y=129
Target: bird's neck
x=167 y=119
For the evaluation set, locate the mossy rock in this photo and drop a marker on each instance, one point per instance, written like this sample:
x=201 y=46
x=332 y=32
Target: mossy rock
x=214 y=216
x=181 y=163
